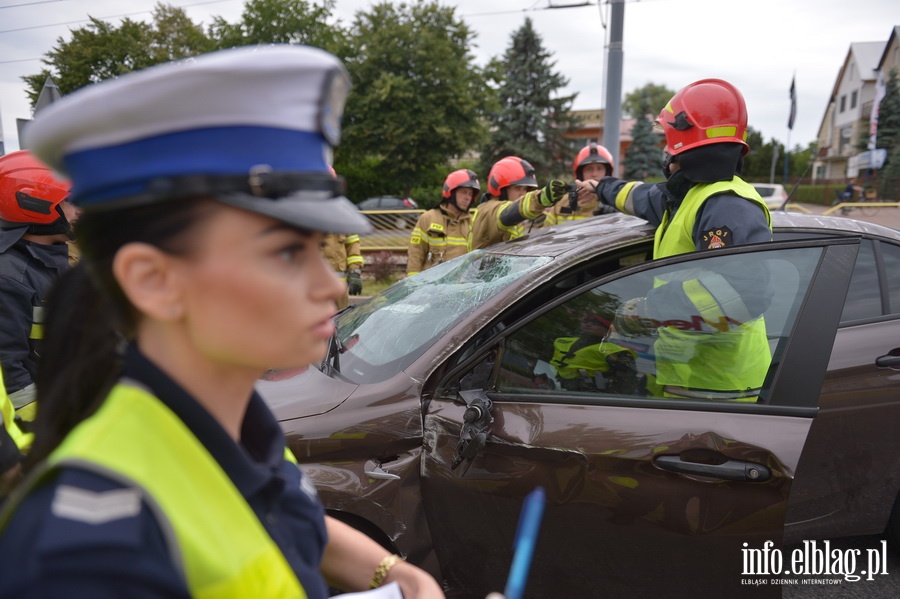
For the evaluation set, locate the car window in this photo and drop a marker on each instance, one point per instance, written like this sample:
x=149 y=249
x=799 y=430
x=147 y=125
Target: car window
x=864 y=296
x=764 y=192
x=891 y=256
x=709 y=329
x=382 y=336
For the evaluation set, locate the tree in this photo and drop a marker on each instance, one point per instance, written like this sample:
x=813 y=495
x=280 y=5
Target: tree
x=281 y=21
x=889 y=137
x=533 y=118
x=650 y=99
x=100 y=50
x=643 y=158
x=415 y=102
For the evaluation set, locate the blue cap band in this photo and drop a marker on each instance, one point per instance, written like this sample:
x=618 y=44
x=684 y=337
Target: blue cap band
x=125 y=170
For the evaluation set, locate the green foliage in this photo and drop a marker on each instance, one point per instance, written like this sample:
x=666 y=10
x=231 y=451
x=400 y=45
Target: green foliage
x=889 y=135
x=281 y=22
x=644 y=155
x=533 y=118
x=416 y=99
x=649 y=99
x=100 y=50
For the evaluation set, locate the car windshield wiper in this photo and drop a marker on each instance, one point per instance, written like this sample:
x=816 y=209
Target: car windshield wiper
x=335 y=349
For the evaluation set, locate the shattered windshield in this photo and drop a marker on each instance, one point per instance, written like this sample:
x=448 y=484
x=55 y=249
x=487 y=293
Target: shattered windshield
x=384 y=335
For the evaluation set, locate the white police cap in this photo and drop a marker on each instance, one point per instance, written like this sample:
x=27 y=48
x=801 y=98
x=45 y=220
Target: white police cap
x=252 y=127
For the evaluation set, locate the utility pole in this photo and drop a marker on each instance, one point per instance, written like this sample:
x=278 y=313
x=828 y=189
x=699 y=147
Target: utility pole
x=614 y=59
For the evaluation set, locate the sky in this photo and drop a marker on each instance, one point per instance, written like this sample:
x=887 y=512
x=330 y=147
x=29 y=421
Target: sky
x=759 y=46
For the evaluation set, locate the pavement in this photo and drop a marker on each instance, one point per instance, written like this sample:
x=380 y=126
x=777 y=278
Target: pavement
x=887 y=215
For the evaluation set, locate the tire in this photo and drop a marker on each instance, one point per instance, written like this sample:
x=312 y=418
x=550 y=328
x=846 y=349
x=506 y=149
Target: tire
x=869 y=210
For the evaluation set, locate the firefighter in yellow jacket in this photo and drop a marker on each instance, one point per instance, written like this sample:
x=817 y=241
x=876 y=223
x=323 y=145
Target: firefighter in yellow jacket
x=512 y=198
x=442 y=233
x=342 y=252
x=593 y=162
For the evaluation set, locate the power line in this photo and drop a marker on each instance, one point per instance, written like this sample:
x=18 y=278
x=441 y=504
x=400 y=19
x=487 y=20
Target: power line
x=131 y=14
x=31 y=3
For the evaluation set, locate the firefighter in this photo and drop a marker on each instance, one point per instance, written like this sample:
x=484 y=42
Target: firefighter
x=512 y=198
x=593 y=162
x=35 y=228
x=158 y=470
x=342 y=252
x=442 y=233
x=703 y=205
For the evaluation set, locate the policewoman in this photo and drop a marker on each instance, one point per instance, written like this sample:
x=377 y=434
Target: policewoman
x=157 y=471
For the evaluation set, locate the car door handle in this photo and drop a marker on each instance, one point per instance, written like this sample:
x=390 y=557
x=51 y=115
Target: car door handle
x=374 y=470
x=729 y=470
x=889 y=360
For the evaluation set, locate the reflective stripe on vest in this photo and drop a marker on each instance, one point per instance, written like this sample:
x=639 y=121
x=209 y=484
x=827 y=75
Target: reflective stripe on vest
x=8 y=413
x=675 y=235
x=214 y=538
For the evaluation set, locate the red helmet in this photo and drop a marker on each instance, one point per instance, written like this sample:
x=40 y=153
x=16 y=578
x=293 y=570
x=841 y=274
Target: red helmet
x=593 y=153
x=709 y=111
x=29 y=192
x=510 y=171
x=461 y=178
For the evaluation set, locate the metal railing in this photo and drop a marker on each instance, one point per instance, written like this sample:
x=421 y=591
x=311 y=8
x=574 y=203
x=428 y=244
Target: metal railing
x=392 y=229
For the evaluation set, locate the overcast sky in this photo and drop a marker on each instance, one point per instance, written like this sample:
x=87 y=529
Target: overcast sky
x=758 y=45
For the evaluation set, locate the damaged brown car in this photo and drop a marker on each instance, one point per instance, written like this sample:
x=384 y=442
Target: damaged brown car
x=450 y=396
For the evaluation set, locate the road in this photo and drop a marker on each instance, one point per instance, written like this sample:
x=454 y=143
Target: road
x=889 y=217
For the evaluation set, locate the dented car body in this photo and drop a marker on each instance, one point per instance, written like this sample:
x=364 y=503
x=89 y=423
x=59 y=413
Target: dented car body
x=444 y=401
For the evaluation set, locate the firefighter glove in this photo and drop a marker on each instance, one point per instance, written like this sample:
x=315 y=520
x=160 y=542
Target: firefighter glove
x=354 y=282
x=552 y=193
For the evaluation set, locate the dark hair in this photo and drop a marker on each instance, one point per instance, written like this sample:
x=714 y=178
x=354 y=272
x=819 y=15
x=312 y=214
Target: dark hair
x=88 y=319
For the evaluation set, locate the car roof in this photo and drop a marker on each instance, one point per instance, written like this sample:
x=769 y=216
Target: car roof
x=622 y=229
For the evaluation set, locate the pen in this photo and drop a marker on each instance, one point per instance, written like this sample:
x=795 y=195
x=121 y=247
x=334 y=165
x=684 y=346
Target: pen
x=526 y=537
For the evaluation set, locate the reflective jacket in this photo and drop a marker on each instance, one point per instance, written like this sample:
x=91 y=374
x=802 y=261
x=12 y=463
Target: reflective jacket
x=729 y=358
x=342 y=253
x=8 y=415
x=214 y=537
x=590 y=358
x=27 y=272
x=501 y=220
x=560 y=212
x=437 y=237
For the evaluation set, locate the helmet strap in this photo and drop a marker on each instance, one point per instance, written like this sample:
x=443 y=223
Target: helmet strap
x=60 y=226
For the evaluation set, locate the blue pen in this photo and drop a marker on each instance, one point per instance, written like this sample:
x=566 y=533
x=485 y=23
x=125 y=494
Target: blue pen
x=526 y=538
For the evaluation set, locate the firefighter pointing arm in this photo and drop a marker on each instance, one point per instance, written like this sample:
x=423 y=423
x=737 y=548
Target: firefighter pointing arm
x=703 y=205
x=513 y=197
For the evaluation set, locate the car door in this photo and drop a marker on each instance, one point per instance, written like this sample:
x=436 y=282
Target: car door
x=852 y=491
x=647 y=494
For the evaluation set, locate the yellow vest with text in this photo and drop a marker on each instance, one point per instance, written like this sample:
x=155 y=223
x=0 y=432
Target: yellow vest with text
x=214 y=537
x=730 y=364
